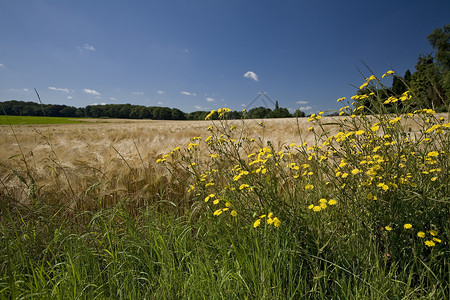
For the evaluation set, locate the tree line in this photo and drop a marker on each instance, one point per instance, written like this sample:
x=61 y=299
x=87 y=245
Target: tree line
x=128 y=111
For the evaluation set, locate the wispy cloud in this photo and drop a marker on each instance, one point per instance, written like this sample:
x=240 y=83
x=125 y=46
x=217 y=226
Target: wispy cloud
x=251 y=75
x=137 y=93
x=160 y=103
x=161 y=92
x=112 y=99
x=86 y=47
x=210 y=99
x=103 y=103
x=2 y=65
x=19 y=90
x=92 y=92
x=65 y=90
x=188 y=93
x=302 y=102
x=198 y=107
x=69 y=97
x=306 y=108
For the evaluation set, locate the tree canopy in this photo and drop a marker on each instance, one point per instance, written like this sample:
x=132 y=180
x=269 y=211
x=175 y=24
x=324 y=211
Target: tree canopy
x=128 y=111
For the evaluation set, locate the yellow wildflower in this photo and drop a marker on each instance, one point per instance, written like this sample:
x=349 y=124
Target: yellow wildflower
x=407 y=226
x=276 y=222
x=430 y=243
x=309 y=186
x=421 y=234
x=355 y=171
x=243 y=186
x=388 y=73
x=210 y=114
x=363 y=85
x=433 y=154
x=317 y=208
x=332 y=202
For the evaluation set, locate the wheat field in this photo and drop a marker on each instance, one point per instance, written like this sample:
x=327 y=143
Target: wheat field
x=95 y=163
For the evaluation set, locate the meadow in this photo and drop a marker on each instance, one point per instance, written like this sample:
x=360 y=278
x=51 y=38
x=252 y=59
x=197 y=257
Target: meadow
x=348 y=207
x=30 y=120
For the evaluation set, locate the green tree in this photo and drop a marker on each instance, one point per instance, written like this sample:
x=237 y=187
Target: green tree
x=400 y=85
x=440 y=41
x=426 y=84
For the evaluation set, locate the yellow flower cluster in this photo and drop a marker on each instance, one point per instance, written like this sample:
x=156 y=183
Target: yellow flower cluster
x=271 y=220
x=322 y=204
x=432 y=240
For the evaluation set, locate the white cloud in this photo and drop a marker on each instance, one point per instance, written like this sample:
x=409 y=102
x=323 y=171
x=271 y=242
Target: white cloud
x=160 y=103
x=103 y=103
x=306 y=108
x=2 y=65
x=92 y=92
x=112 y=99
x=251 y=75
x=69 y=97
x=188 y=93
x=65 y=90
x=25 y=89
x=86 y=47
x=161 y=92
x=138 y=93
x=210 y=99
x=302 y=102
x=198 y=107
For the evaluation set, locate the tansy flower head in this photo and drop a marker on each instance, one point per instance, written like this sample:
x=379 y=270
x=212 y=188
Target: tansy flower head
x=430 y=243
x=316 y=208
x=276 y=222
x=407 y=226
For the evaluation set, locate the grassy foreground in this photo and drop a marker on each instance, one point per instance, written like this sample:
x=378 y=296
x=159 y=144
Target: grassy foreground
x=30 y=120
x=358 y=214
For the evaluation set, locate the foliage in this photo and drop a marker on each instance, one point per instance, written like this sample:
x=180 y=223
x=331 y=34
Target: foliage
x=128 y=111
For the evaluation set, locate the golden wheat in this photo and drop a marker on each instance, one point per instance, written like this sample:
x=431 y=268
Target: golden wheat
x=100 y=162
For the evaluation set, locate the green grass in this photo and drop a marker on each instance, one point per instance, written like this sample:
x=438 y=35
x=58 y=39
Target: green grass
x=29 y=120
x=359 y=214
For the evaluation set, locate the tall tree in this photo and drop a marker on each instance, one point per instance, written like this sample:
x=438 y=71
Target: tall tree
x=440 y=41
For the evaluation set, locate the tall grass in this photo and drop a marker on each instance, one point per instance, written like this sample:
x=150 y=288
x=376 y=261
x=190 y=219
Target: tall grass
x=358 y=211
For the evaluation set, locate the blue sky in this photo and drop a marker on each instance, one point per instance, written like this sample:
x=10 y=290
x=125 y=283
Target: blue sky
x=193 y=54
